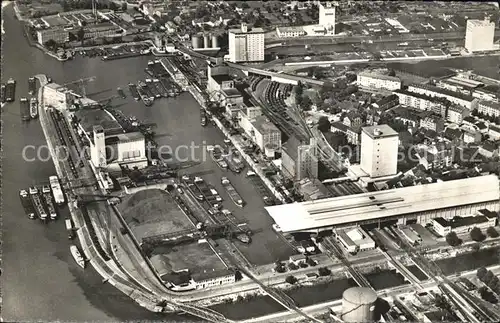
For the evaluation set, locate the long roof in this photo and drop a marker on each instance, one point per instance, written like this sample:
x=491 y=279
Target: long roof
x=382 y=204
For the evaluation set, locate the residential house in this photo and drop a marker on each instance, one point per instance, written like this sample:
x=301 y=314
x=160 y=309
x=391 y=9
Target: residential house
x=435 y=156
x=456 y=113
x=353 y=120
x=494 y=133
x=452 y=134
x=353 y=137
x=471 y=136
x=297 y=259
x=378 y=81
x=489 y=108
x=432 y=122
x=488 y=149
x=464 y=100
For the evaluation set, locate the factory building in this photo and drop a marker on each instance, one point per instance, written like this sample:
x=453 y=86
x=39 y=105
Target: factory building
x=290 y=32
x=59 y=35
x=378 y=81
x=479 y=35
x=358 y=305
x=98 y=148
x=300 y=160
x=461 y=225
x=246 y=45
x=262 y=131
x=355 y=240
x=57 y=96
x=212 y=278
x=379 y=151
x=127 y=149
x=420 y=203
x=221 y=86
x=327 y=18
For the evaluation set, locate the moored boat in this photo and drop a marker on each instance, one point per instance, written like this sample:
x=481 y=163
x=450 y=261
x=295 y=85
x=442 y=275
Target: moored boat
x=75 y=252
x=34 y=108
x=10 y=90
x=231 y=191
x=2 y=93
x=27 y=204
x=31 y=85
x=25 y=109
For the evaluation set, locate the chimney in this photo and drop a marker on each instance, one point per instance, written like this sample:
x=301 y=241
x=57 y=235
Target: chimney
x=244 y=27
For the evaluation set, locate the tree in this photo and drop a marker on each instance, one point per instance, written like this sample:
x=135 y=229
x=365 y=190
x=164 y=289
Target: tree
x=311 y=262
x=113 y=6
x=291 y=280
x=81 y=35
x=238 y=276
x=124 y=6
x=50 y=44
x=452 y=239
x=292 y=266
x=392 y=72
x=477 y=235
x=324 y=124
x=488 y=277
x=306 y=103
x=492 y=232
x=245 y=5
x=323 y=271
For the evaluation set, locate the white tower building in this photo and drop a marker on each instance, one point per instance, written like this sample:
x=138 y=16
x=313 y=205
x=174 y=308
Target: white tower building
x=479 y=35
x=327 y=17
x=379 y=151
x=98 y=149
x=246 y=45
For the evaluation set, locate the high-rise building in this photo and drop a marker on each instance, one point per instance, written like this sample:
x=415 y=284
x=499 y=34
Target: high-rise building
x=98 y=148
x=379 y=151
x=327 y=17
x=246 y=45
x=479 y=35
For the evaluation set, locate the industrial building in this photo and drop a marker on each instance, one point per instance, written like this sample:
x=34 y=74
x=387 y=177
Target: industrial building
x=479 y=35
x=355 y=240
x=378 y=81
x=299 y=160
x=358 y=305
x=290 y=32
x=461 y=225
x=420 y=203
x=212 y=278
x=261 y=130
x=327 y=18
x=379 y=151
x=246 y=45
x=56 y=34
x=459 y=84
x=57 y=96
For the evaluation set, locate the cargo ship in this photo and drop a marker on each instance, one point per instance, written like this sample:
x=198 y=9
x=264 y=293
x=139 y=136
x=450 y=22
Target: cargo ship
x=25 y=109
x=133 y=91
x=27 y=204
x=31 y=85
x=144 y=95
x=162 y=92
x=47 y=197
x=203 y=117
x=37 y=202
x=2 y=93
x=34 y=108
x=56 y=190
x=10 y=90
x=231 y=191
x=152 y=88
x=209 y=194
x=75 y=252
x=121 y=93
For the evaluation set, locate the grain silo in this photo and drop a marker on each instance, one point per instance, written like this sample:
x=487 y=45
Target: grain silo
x=196 y=41
x=206 y=41
x=215 y=41
x=358 y=305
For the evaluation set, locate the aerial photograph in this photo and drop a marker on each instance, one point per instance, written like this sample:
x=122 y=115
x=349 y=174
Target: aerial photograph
x=250 y=161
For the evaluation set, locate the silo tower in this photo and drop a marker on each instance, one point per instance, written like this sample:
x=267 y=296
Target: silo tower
x=358 y=305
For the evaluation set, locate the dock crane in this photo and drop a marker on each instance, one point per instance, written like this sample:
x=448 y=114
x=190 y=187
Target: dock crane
x=82 y=82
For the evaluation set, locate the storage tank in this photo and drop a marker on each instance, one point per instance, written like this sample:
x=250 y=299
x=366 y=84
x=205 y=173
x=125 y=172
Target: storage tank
x=196 y=41
x=206 y=41
x=215 y=41
x=358 y=305
x=270 y=150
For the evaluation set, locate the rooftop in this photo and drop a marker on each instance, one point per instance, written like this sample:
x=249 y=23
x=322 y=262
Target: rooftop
x=219 y=78
x=263 y=125
x=380 y=76
x=379 y=131
x=436 y=89
x=382 y=204
x=457 y=222
x=231 y=92
x=92 y=117
x=249 y=31
x=210 y=274
x=479 y=23
x=125 y=137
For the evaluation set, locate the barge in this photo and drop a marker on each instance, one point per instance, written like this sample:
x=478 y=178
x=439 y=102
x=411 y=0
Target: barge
x=254 y=179
x=152 y=88
x=10 y=90
x=231 y=191
x=49 y=202
x=160 y=89
x=121 y=93
x=31 y=85
x=133 y=91
x=25 y=109
x=37 y=203
x=203 y=117
x=216 y=154
x=234 y=161
x=70 y=229
x=27 y=204
x=141 y=89
x=34 y=108
x=2 y=93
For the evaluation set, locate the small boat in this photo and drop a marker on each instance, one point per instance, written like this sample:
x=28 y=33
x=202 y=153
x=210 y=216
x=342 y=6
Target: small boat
x=34 y=108
x=121 y=93
x=2 y=93
x=31 y=85
x=75 y=252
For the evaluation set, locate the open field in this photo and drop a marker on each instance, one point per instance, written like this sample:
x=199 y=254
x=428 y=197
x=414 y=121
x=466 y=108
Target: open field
x=195 y=257
x=152 y=212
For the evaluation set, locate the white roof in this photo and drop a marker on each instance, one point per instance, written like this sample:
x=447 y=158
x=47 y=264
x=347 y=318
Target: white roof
x=382 y=204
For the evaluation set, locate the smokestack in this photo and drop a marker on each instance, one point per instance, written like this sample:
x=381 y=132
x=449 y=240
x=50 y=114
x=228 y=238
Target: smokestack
x=244 y=27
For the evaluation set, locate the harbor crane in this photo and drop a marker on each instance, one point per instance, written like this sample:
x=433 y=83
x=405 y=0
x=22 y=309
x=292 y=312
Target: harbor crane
x=82 y=83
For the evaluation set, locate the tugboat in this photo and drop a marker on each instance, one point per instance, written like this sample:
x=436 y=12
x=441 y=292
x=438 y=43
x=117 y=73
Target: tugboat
x=75 y=252
x=34 y=108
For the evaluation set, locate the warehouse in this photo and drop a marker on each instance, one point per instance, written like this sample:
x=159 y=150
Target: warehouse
x=419 y=203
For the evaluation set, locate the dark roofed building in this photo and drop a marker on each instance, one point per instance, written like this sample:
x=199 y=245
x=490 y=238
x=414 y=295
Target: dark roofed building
x=88 y=118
